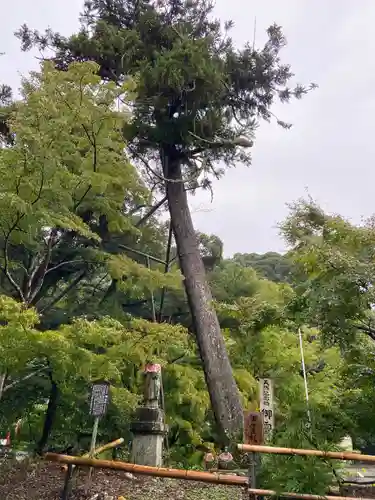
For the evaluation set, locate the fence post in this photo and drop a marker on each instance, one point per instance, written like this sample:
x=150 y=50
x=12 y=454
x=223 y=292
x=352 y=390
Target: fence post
x=253 y=474
x=68 y=483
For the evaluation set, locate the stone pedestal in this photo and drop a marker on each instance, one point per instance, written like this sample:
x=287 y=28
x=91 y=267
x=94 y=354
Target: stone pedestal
x=148 y=436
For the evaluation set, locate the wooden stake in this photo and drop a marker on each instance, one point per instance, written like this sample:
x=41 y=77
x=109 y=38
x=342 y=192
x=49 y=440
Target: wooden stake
x=68 y=483
x=97 y=451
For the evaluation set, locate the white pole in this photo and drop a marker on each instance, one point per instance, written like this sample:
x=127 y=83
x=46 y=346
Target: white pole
x=304 y=375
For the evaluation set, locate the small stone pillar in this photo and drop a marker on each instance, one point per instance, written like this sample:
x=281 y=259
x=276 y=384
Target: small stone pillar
x=148 y=427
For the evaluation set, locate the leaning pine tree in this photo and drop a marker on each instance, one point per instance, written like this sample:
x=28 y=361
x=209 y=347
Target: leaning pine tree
x=199 y=99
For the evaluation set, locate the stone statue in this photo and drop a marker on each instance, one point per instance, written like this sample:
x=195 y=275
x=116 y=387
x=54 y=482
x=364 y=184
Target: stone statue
x=148 y=427
x=225 y=459
x=152 y=385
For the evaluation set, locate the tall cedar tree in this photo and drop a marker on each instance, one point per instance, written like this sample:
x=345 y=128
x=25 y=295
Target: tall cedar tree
x=199 y=99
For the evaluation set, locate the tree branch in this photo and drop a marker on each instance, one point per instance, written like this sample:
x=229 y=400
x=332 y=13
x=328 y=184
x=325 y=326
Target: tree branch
x=236 y=141
x=19 y=217
x=92 y=141
x=64 y=292
x=174 y=360
x=67 y=262
x=77 y=204
x=22 y=379
x=368 y=330
x=151 y=212
x=160 y=176
x=142 y=254
x=5 y=269
x=37 y=277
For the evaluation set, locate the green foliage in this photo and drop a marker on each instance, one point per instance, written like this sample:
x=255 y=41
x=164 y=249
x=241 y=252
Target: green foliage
x=67 y=142
x=263 y=342
x=334 y=276
x=18 y=338
x=6 y=98
x=65 y=178
x=84 y=351
x=197 y=93
x=198 y=101
x=70 y=201
x=334 y=272
x=139 y=279
x=64 y=182
x=270 y=265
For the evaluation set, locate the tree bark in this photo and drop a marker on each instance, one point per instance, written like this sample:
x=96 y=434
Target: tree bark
x=49 y=418
x=222 y=388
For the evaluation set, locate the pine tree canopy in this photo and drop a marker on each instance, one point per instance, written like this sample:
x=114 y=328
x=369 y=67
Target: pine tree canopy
x=197 y=94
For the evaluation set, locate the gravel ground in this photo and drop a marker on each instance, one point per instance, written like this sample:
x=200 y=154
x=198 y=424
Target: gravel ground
x=41 y=481
x=44 y=481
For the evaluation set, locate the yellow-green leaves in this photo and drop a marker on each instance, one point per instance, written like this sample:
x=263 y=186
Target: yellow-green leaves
x=86 y=350
x=137 y=278
x=18 y=337
x=68 y=155
x=66 y=180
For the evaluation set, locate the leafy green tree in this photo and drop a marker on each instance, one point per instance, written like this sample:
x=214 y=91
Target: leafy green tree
x=77 y=354
x=271 y=265
x=334 y=284
x=66 y=198
x=64 y=182
x=334 y=272
x=198 y=102
x=211 y=250
x=6 y=100
x=262 y=340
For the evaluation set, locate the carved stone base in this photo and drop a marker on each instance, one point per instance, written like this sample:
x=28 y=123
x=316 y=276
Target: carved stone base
x=148 y=430
x=148 y=450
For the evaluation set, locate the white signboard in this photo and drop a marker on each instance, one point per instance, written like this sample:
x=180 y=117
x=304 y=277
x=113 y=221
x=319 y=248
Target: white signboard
x=266 y=407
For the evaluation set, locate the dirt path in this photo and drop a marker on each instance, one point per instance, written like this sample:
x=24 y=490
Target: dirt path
x=45 y=481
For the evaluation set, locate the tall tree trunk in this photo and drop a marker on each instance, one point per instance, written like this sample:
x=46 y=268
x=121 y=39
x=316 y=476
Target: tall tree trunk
x=222 y=388
x=49 y=417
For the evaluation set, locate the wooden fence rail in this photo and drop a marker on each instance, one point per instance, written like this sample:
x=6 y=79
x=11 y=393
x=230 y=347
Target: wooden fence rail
x=303 y=496
x=205 y=477
x=338 y=455
x=191 y=475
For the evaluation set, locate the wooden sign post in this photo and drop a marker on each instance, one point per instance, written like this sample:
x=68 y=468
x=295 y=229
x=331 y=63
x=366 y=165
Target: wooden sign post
x=253 y=428
x=98 y=408
x=267 y=407
x=253 y=434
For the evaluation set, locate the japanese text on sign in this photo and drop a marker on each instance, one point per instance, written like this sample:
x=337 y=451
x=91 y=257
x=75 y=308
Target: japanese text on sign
x=99 y=399
x=266 y=407
x=253 y=428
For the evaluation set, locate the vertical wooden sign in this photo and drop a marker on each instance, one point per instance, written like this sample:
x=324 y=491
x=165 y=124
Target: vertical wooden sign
x=253 y=428
x=267 y=407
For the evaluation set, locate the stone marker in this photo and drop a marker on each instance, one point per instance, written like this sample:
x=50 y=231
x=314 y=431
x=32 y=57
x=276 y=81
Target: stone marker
x=148 y=427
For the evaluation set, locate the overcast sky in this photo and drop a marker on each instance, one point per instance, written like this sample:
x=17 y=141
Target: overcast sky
x=326 y=154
